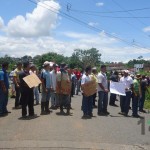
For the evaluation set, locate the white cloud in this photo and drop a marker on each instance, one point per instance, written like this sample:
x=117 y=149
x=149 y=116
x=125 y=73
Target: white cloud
x=99 y=4
x=146 y=29
x=38 y=23
x=93 y=24
x=1 y=23
x=109 y=47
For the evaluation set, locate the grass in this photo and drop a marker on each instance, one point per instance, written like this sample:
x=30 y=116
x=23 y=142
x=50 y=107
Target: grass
x=147 y=101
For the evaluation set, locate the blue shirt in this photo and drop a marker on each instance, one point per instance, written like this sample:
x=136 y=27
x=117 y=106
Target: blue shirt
x=47 y=79
x=4 y=77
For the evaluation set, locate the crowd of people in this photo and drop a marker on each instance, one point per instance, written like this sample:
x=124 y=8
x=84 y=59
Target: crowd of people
x=54 y=80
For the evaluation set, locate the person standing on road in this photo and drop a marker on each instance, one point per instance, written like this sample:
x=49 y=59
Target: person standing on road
x=125 y=100
x=143 y=91
x=94 y=77
x=113 y=78
x=102 y=92
x=87 y=101
x=17 y=71
x=35 y=90
x=27 y=98
x=4 y=86
x=54 y=100
x=78 y=81
x=136 y=95
x=64 y=96
x=46 y=88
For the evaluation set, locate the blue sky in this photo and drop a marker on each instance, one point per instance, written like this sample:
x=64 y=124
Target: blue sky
x=29 y=29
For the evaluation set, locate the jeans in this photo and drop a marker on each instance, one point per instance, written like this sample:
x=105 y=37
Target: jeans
x=87 y=105
x=45 y=96
x=17 y=99
x=125 y=102
x=135 y=102
x=36 y=94
x=3 y=102
x=54 y=99
x=27 y=100
x=78 y=86
x=142 y=100
x=103 y=101
x=112 y=99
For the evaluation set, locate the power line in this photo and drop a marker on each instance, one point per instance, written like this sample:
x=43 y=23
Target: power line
x=128 y=12
x=117 y=11
x=85 y=24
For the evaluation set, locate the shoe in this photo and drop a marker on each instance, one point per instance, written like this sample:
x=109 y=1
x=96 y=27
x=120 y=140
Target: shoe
x=101 y=114
x=91 y=115
x=143 y=111
x=136 y=116
x=43 y=113
x=121 y=113
x=94 y=106
x=86 y=116
x=32 y=116
x=37 y=103
x=18 y=107
x=106 y=112
x=126 y=115
x=7 y=112
x=13 y=96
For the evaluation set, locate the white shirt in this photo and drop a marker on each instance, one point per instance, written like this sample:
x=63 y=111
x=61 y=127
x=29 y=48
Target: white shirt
x=102 y=78
x=85 y=79
x=127 y=81
x=53 y=76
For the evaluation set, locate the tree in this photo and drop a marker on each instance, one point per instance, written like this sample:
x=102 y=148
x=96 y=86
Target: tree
x=88 y=57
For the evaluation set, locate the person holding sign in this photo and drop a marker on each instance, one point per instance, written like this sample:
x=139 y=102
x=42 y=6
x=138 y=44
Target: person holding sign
x=125 y=100
x=27 y=95
x=87 y=101
x=102 y=92
x=63 y=88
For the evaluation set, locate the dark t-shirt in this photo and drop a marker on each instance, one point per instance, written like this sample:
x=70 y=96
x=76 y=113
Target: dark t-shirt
x=143 y=84
x=22 y=82
x=114 y=78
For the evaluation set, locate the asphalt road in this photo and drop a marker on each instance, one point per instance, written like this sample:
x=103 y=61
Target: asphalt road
x=54 y=131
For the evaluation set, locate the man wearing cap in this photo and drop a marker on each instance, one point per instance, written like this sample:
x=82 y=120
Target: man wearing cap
x=54 y=100
x=125 y=100
x=46 y=88
x=33 y=70
x=4 y=86
x=17 y=71
x=136 y=95
x=26 y=92
x=64 y=97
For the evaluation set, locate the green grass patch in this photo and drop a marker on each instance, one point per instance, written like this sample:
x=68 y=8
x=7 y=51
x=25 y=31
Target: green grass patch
x=147 y=101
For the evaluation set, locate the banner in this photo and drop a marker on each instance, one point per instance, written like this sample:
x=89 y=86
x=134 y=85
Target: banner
x=117 y=88
x=63 y=87
x=89 y=88
x=32 y=80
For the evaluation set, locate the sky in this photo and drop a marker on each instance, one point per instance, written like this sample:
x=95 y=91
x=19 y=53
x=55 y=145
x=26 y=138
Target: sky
x=40 y=26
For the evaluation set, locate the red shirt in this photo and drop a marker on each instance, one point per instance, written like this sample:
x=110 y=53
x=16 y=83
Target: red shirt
x=78 y=75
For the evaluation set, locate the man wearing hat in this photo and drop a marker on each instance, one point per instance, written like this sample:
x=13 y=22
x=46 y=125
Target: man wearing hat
x=33 y=70
x=54 y=100
x=46 y=87
x=136 y=95
x=125 y=100
x=64 y=97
